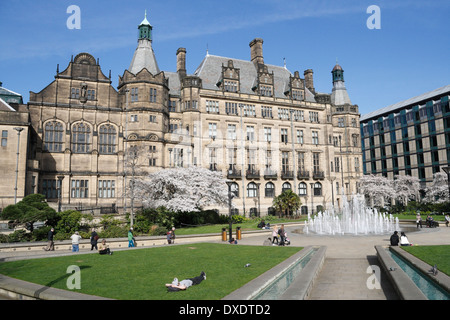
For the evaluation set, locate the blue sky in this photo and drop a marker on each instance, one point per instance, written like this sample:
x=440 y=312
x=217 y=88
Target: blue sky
x=408 y=56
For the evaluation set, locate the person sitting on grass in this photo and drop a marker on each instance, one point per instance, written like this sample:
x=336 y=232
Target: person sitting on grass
x=184 y=284
x=103 y=248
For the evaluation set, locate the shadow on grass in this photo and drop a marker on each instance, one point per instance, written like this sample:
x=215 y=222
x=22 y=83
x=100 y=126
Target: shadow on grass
x=50 y=284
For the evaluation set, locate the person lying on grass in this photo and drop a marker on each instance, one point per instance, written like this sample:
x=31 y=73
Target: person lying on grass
x=184 y=284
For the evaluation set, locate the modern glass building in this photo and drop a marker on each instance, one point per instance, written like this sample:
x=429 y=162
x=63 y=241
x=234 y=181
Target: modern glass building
x=411 y=137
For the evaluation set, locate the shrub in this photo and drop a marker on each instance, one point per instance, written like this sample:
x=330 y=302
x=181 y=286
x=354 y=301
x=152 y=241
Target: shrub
x=156 y=230
x=19 y=236
x=238 y=219
x=114 y=231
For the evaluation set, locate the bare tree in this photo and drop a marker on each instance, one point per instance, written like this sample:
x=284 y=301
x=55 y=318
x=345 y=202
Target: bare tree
x=136 y=159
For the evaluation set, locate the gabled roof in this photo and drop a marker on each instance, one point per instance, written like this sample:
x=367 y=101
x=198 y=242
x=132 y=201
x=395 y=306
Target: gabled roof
x=409 y=102
x=210 y=71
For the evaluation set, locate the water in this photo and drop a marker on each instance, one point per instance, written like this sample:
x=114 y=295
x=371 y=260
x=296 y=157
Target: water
x=430 y=289
x=355 y=219
x=276 y=288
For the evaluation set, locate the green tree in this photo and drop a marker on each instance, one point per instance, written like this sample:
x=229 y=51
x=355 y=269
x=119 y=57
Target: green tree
x=29 y=210
x=287 y=202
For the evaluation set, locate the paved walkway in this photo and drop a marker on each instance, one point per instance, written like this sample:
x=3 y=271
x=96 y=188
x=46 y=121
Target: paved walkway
x=344 y=274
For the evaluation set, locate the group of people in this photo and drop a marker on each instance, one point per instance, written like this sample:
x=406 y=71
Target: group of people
x=430 y=222
x=102 y=248
x=280 y=236
x=402 y=240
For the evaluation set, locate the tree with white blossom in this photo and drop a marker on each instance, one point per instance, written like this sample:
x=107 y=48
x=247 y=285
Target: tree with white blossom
x=376 y=188
x=406 y=188
x=437 y=192
x=184 y=189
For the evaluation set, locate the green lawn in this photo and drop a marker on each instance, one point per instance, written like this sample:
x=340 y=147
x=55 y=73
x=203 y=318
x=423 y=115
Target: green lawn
x=433 y=255
x=143 y=273
x=247 y=225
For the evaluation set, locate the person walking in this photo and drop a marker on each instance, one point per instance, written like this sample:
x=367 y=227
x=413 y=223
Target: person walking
x=447 y=219
x=275 y=234
x=131 y=241
x=50 y=243
x=169 y=237
x=418 y=220
x=75 y=242
x=173 y=234
x=282 y=235
x=94 y=239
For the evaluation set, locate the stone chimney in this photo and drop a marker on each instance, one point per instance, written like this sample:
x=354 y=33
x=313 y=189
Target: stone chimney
x=256 y=51
x=309 y=83
x=181 y=61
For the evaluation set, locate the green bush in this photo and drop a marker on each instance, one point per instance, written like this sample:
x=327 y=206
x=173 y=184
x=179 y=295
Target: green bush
x=19 y=236
x=238 y=219
x=114 y=231
x=40 y=234
x=157 y=231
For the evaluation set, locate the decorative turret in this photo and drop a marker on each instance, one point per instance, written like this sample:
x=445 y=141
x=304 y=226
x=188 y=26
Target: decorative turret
x=144 y=57
x=145 y=29
x=338 y=73
x=339 y=95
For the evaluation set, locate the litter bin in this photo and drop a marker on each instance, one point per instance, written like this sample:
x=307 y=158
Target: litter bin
x=224 y=234
x=238 y=233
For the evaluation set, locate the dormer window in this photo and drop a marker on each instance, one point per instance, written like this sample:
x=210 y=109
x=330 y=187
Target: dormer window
x=230 y=86
x=297 y=95
x=265 y=90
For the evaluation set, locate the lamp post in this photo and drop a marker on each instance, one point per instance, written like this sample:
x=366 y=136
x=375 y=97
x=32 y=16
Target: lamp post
x=312 y=198
x=341 y=165
x=259 y=200
x=60 y=179
x=19 y=130
x=447 y=171
x=241 y=106
x=230 y=198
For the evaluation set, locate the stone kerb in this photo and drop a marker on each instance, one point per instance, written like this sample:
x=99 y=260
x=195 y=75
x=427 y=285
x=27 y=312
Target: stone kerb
x=403 y=284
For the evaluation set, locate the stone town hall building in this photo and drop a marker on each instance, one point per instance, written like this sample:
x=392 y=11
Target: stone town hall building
x=265 y=128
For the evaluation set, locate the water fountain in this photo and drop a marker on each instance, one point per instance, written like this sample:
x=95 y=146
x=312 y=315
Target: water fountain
x=355 y=219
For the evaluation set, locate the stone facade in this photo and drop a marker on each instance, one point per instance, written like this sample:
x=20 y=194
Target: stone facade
x=263 y=127
x=14 y=126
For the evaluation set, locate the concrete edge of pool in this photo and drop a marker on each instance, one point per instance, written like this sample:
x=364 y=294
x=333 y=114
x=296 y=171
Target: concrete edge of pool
x=403 y=284
x=299 y=288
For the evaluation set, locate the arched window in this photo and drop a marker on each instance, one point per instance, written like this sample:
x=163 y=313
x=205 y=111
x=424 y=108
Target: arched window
x=317 y=189
x=302 y=189
x=81 y=136
x=234 y=187
x=53 y=136
x=270 y=190
x=107 y=139
x=252 y=190
x=286 y=186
